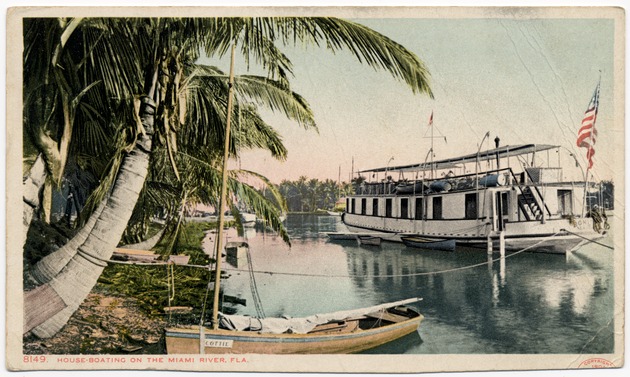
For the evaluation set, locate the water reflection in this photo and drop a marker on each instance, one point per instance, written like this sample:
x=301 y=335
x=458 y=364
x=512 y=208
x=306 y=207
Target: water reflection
x=525 y=303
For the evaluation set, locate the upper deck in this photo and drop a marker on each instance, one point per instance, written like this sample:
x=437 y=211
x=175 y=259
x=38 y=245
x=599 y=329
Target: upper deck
x=502 y=166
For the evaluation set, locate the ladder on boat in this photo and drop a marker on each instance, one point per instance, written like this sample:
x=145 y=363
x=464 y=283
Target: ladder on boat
x=529 y=200
x=528 y=204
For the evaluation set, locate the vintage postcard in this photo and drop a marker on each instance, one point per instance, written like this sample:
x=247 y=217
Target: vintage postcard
x=303 y=189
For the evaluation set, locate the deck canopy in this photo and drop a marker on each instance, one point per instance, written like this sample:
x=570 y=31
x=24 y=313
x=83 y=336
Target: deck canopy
x=449 y=163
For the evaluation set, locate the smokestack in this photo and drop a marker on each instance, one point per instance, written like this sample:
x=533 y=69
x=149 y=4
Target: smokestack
x=496 y=145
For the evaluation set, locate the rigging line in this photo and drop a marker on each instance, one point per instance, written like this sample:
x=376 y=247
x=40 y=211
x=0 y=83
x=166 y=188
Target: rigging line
x=254 y=287
x=206 y=294
x=252 y=282
x=589 y=240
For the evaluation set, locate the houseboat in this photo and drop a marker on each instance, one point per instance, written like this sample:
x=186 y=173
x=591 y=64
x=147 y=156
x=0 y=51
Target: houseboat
x=504 y=198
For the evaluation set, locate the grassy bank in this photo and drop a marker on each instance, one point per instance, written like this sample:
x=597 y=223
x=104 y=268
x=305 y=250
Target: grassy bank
x=158 y=287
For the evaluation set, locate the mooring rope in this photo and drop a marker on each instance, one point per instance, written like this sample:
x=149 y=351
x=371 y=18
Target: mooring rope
x=486 y=263
x=409 y=274
x=588 y=239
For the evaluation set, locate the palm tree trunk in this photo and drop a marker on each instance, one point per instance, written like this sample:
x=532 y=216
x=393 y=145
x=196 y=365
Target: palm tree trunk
x=79 y=276
x=31 y=187
x=147 y=244
x=49 y=266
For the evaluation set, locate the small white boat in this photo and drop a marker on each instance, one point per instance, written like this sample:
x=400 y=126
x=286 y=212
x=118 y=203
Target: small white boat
x=334 y=213
x=369 y=240
x=341 y=236
x=429 y=243
x=248 y=219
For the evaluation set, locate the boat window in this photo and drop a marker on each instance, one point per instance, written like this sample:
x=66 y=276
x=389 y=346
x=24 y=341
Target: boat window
x=404 y=208
x=352 y=206
x=419 y=209
x=363 y=206
x=388 y=208
x=470 y=206
x=437 y=207
x=375 y=207
x=347 y=204
x=565 y=202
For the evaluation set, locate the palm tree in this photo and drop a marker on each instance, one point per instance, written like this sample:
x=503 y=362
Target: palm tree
x=148 y=56
x=196 y=159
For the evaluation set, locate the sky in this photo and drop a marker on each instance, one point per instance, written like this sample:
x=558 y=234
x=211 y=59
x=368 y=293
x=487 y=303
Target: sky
x=525 y=80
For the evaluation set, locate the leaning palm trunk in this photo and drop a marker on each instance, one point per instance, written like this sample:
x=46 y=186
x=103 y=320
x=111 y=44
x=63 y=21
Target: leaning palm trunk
x=48 y=307
x=31 y=187
x=50 y=265
x=147 y=244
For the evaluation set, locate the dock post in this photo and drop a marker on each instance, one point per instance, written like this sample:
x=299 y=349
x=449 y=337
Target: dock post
x=489 y=242
x=502 y=243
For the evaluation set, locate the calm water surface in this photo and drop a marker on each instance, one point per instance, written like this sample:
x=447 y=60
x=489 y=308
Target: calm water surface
x=530 y=303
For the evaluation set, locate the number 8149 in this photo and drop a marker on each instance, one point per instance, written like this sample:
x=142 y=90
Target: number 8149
x=34 y=359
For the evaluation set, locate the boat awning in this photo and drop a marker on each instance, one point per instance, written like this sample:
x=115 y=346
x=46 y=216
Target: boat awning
x=449 y=163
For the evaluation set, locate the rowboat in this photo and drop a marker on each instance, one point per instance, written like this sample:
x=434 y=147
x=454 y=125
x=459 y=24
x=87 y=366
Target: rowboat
x=334 y=213
x=353 y=236
x=248 y=219
x=341 y=332
x=369 y=240
x=429 y=243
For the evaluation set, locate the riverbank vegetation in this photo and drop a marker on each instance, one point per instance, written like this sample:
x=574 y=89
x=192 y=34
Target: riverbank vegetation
x=313 y=195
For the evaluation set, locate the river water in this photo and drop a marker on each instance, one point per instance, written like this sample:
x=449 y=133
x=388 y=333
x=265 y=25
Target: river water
x=526 y=304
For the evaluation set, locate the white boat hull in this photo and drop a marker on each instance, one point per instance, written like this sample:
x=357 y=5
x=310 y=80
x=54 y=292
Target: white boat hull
x=549 y=237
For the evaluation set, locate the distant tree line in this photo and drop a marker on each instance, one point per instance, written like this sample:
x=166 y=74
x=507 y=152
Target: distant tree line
x=310 y=195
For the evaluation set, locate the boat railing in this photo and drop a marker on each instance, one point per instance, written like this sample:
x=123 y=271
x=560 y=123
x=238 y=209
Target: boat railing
x=456 y=183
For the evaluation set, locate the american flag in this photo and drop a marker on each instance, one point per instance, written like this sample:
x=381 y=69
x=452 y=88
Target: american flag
x=587 y=133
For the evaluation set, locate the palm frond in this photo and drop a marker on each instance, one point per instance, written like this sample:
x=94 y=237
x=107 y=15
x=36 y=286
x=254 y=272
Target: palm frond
x=273 y=189
x=260 y=205
x=277 y=97
x=365 y=44
x=253 y=132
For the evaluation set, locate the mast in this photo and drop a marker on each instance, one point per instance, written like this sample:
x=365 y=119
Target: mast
x=431 y=126
x=338 y=186
x=339 y=175
x=226 y=150
x=352 y=171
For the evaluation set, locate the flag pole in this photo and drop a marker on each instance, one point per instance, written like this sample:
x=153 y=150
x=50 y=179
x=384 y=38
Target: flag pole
x=590 y=137
x=585 y=191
